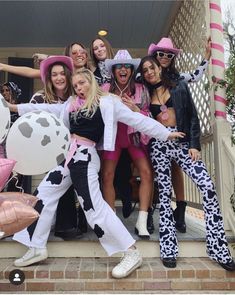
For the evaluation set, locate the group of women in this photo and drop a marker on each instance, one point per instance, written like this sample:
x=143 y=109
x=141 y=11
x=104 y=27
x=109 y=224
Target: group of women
x=140 y=117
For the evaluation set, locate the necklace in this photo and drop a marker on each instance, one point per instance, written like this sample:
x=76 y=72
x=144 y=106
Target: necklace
x=157 y=85
x=163 y=109
x=61 y=99
x=122 y=90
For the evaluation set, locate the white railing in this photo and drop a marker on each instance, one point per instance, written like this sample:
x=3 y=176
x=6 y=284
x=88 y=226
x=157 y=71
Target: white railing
x=228 y=168
x=189 y=32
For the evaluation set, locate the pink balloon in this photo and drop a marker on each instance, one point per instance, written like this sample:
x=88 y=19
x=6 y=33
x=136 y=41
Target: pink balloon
x=6 y=167
x=16 y=212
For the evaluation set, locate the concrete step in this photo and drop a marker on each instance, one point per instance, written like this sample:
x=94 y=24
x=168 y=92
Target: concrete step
x=191 y=243
x=12 y=249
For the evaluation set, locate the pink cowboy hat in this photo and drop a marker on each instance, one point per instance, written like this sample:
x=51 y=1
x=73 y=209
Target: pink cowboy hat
x=164 y=44
x=44 y=65
x=122 y=57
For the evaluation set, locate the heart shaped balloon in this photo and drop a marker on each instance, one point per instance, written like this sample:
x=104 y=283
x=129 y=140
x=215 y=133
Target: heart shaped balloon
x=6 y=166
x=16 y=212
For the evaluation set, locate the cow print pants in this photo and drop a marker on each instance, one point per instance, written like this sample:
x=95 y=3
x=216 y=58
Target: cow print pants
x=162 y=153
x=82 y=172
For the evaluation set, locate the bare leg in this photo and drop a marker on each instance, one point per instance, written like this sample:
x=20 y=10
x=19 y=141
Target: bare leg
x=146 y=176
x=108 y=172
x=145 y=191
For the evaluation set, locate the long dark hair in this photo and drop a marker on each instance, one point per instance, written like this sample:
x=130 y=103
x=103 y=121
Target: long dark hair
x=132 y=82
x=68 y=48
x=15 y=91
x=108 y=46
x=167 y=83
x=171 y=70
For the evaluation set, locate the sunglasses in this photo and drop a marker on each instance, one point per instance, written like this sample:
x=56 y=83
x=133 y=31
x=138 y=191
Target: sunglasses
x=119 y=66
x=168 y=55
x=80 y=51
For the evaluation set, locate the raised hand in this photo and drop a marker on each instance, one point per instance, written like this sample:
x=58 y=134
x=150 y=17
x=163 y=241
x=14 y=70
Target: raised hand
x=208 y=49
x=38 y=57
x=128 y=101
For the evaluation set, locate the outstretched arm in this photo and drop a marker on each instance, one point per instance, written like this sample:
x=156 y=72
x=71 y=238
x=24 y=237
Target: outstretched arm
x=142 y=123
x=198 y=73
x=12 y=107
x=29 y=107
x=20 y=70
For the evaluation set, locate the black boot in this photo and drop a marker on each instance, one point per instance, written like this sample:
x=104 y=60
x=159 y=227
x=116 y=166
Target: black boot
x=126 y=207
x=66 y=216
x=122 y=183
x=82 y=222
x=179 y=216
x=67 y=235
x=229 y=266
x=169 y=262
x=150 y=225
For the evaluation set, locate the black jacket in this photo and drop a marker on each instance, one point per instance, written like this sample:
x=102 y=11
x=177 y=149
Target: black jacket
x=186 y=114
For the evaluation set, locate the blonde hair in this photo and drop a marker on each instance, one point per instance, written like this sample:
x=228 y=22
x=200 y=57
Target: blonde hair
x=95 y=92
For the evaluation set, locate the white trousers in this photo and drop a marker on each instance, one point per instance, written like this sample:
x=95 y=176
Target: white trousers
x=82 y=172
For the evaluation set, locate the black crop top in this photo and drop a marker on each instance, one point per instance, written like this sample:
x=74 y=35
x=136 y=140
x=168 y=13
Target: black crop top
x=90 y=127
x=155 y=108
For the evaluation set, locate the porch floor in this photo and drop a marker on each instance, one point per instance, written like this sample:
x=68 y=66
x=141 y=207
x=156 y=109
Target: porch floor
x=194 y=220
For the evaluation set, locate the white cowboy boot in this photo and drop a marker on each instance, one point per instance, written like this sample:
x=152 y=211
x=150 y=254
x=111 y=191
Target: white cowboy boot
x=141 y=225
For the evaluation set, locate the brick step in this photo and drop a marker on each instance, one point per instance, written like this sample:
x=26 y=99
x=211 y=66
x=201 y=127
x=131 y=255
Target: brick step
x=94 y=275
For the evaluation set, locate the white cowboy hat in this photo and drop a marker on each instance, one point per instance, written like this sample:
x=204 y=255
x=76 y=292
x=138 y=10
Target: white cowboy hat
x=122 y=57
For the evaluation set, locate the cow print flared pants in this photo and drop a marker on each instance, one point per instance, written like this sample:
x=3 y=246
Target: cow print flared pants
x=162 y=153
x=82 y=172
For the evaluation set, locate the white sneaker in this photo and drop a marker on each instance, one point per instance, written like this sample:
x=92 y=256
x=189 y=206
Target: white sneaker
x=129 y=262
x=33 y=255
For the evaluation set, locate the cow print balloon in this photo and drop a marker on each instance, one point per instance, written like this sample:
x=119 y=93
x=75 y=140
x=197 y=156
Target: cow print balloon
x=38 y=141
x=4 y=119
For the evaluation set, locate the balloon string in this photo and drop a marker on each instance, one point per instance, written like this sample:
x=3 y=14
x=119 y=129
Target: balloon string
x=13 y=176
x=19 y=187
x=16 y=184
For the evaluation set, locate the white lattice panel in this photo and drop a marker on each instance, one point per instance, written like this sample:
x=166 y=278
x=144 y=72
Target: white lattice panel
x=189 y=32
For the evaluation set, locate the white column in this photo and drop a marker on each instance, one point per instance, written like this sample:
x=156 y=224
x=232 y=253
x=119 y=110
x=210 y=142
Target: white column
x=221 y=128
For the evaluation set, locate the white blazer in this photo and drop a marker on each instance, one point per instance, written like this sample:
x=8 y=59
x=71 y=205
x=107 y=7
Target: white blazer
x=112 y=111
